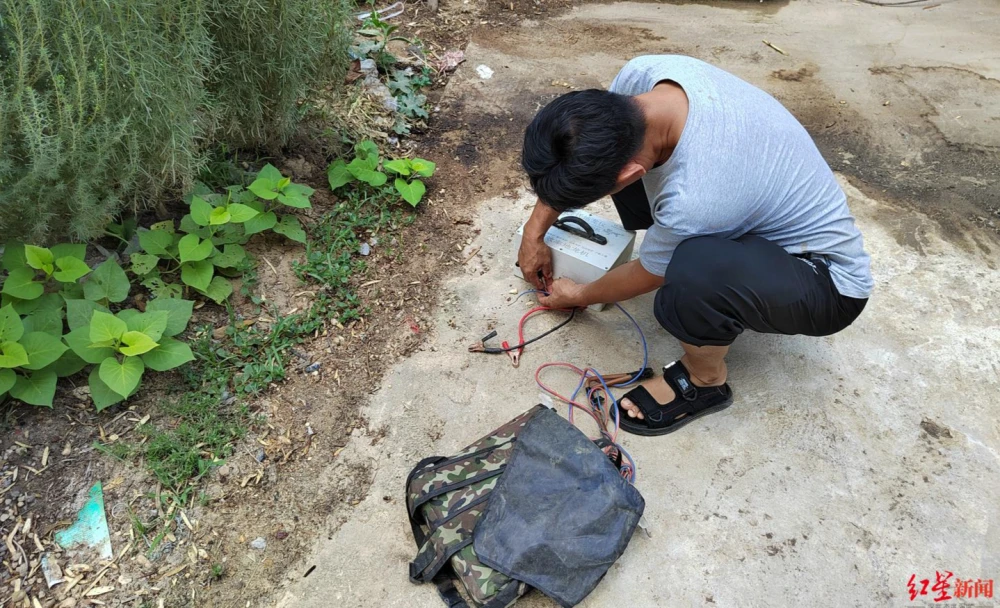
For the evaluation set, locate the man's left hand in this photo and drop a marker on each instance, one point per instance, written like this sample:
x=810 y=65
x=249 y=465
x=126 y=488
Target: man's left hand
x=563 y=293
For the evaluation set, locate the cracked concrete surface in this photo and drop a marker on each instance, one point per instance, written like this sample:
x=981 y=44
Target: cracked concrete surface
x=847 y=463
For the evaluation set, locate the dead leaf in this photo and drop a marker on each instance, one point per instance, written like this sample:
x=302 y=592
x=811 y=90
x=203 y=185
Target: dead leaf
x=96 y=591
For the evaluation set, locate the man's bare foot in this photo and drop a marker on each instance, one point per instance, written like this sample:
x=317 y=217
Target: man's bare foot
x=659 y=389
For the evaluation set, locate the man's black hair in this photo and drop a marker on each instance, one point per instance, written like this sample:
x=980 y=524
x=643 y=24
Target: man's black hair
x=576 y=146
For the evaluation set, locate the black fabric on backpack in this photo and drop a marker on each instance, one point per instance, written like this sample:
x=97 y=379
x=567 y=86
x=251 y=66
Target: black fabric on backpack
x=560 y=515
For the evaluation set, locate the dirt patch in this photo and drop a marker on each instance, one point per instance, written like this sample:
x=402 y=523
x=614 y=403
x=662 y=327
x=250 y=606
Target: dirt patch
x=934 y=429
x=914 y=164
x=804 y=72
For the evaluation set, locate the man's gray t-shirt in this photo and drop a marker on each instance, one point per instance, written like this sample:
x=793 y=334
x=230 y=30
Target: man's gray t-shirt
x=744 y=165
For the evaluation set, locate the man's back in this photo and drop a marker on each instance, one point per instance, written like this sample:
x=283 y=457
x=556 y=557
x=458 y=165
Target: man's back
x=744 y=165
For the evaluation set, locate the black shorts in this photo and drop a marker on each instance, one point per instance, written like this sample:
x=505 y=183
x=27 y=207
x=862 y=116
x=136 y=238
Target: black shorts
x=715 y=288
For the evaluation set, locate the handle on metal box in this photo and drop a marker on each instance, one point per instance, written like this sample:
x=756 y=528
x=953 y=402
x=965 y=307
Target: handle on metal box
x=584 y=230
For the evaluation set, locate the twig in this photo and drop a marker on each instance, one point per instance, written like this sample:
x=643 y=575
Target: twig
x=775 y=47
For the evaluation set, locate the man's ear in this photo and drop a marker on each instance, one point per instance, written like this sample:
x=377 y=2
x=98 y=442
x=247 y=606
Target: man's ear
x=630 y=173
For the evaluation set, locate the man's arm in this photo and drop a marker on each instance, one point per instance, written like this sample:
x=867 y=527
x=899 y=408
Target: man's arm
x=623 y=283
x=534 y=255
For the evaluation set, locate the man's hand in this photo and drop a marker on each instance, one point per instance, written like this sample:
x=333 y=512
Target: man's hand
x=563 y=293
x=533 y=257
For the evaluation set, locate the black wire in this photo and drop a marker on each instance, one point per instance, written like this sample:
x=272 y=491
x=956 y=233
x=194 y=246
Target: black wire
x=501 y=350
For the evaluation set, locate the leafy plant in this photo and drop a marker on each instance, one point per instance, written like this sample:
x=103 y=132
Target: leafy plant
x=377 y=34
x=405 y=86
x=123 y=346
x=365 y=168
x=208 y=243
x=45 y=291
x=107 y=105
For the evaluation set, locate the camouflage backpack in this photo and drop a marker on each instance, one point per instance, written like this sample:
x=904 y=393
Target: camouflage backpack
x=446 y=498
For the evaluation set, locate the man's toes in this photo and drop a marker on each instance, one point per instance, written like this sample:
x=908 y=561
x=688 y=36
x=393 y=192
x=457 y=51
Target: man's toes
x=633 y=411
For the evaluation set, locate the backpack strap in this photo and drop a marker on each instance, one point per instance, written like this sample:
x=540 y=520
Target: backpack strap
x=449 y=594
x=439 y=544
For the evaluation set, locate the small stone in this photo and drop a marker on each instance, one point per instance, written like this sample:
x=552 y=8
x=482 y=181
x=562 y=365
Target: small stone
x=365 y=249
x=258 y=543
x=225 y=471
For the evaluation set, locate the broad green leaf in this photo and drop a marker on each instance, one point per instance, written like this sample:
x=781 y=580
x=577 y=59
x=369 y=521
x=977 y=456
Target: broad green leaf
x=44 y=320
x=400 y=166
x=50 y=301
x=230 y=256
x=165 y=226
x=108 y=281
x=11 y=327
x=7 y=379
x=22 y=307
x=193 y=249
x=42 y=349
x=135 y=343
x=122 y=377
x=338 y=175
x=367 y=151
x=218 y=290
x=128 y=315
x=70 y=269
x=21 y=283
x=157 y=242
x=219 y=216
x=69 y=291
x=197 y=274
x=423 y=168
x=37 y=389
x=170 y=354
x=230 y=233
x=270 y=173
x=152 y=323
x=67 y=365
x=13 y=256
x=100 y=392
x=284 y=182
x=264 y=188
x=260 y=223
x=161 y=289
x=296 y=195
x=189 y=227
x=80 y=343
x=106 y=328
x=38 y=258
x=363 y=172
x=143 y=263
x=79 y=312
x=200 y=211
x=411 y=192
x=70 y=250
x=241 y=213
x=290 y=227
x=178 y=313
x=12 y=355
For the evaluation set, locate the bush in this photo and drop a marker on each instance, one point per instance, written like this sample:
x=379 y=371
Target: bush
x=269 y=54
x=110 y=104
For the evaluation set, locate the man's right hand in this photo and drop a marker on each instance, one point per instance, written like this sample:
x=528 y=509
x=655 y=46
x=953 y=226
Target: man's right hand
x=534 y=256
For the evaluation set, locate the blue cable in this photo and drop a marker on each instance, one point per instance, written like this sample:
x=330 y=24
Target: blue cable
x=607 y=391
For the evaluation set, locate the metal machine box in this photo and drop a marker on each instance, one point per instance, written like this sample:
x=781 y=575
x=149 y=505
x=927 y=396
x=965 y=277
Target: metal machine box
x=585 y=247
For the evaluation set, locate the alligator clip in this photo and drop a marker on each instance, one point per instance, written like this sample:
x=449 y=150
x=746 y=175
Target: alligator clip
x=480 y=347
x=515 y=355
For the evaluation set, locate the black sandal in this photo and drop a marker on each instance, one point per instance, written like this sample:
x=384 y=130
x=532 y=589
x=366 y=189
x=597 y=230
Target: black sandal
x=692 y=402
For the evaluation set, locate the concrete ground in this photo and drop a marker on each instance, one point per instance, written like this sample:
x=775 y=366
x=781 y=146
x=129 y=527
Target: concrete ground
x=847 y=464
